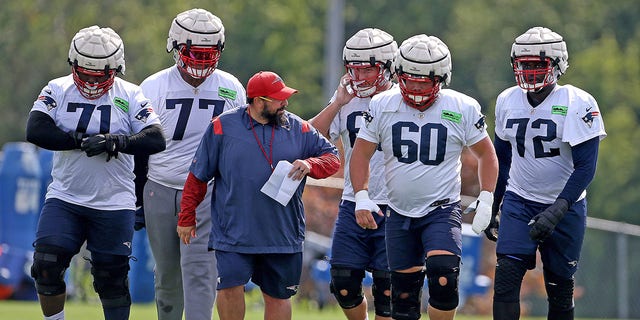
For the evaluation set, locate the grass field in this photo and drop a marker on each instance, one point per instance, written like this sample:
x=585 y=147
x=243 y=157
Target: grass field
x=20 y=310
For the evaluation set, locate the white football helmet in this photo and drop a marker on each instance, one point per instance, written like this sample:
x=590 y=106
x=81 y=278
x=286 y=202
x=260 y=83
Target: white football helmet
x=96 y=55
x=196 y=38
x=426 y=59
x=368 y=48
x=539 y=57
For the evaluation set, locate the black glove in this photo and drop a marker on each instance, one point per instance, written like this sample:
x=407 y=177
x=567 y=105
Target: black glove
x=109 y=143
x=77 y=138
x=543 y=223
x=140 y=222
x=492 y=230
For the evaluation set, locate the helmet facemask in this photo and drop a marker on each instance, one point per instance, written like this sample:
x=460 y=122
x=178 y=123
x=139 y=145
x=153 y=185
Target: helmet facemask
x=534 y=73
x=367 y=86
x=198 y=61
x=423 y=98
x=93 y=84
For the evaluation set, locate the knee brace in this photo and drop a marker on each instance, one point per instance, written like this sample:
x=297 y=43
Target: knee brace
x=48 y=268
x=442 y=274
x=510 y=271
x=406 y=292
x=381 y=291
x=110 y=280
x=346 y=286
x=559 y=291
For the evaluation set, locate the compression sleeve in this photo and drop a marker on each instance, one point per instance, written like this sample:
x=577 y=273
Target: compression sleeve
x=192 y=195
x=503 y=152
x=585 y=157
x=323 y=166
x=140 y=169
x=149 y=140
x=43 y=132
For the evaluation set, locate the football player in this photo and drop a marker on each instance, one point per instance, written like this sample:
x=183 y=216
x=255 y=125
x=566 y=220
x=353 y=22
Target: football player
x=546 y=138
x=367 y=57
x=95 y=122
x=187 y=96
x=422 y=130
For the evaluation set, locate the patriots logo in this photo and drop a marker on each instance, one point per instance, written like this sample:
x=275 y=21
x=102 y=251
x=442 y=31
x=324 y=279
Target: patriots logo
x=367 y=117
x=48 y=101
x=588 y=118
x=480 y=124
x=144 y=113
x=293 y=288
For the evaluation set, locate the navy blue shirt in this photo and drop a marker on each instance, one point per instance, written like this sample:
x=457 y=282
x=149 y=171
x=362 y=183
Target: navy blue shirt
x=244 y=219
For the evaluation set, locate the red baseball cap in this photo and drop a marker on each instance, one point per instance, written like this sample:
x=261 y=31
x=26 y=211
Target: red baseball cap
x=268 y=84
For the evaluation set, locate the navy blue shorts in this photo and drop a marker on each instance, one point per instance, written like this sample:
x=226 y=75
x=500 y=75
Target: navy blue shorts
x=277 y=274
x=68 y=225
x=409 y=239
x=560 y=252
x=357 y=248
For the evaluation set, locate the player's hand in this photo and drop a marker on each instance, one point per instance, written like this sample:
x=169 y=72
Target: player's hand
x=345 y=92
x=543 y=223
x=186 y=233
x=492 y=230
x=364 y=208
x=77 y=138
x=482 y=208
x=109 y=143
x=140 y=222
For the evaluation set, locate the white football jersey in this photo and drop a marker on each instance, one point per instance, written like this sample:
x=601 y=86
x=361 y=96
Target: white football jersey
x=92 y=181
x=185 y=112
x=345 y=126
x=422 y=149
x=541 y=138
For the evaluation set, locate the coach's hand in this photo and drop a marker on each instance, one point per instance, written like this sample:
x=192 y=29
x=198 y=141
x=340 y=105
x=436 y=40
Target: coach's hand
x=543 y=223
x=109 y=143
x=482 y=208
x=140 y=221
x=186 y=233
x=364 y=207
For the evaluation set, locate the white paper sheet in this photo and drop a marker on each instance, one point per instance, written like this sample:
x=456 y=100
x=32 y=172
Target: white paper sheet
x=280 y=187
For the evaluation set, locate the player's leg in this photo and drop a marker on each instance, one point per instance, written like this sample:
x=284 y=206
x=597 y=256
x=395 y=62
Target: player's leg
x=278 y=277
x=160 y=211
x=349 y=258
x=379 y=267
x=515 y=253
x=58 y=238
x=109 y=236
x=441 y=233
x=560 y=255
x=199 y=272
x=406 y=262
x=234 y=272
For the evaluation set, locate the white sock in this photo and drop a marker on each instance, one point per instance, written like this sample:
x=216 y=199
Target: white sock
x=57 y=316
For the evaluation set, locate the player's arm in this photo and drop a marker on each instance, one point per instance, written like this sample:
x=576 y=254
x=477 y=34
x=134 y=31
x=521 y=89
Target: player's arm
x=503 y=153
x=585 y=158
x=43 y=132
x=322 y=121
x=149 y=140
x=487 y=174
x=362 y=152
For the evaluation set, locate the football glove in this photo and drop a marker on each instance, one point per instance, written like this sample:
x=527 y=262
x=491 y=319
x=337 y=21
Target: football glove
x=492 y=229
x=482 y=207
x=77 y=138
x=364 y=203
x=109 y=143
x=140 y=222
x=543 y=223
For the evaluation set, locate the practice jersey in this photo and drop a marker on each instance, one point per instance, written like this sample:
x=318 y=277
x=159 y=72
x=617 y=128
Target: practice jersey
x=92 y=181
x=185 y=112
x=345 y=126
x=541 y=138
x=422 y=149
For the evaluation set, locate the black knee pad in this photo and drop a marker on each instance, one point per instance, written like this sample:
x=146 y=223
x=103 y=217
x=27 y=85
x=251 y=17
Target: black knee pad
x=406 y=293
x=381 y=300
x=559 y=291
x=350 y=281
x=510 y=271
x=443 y=268
x=111 y=281
x=48 y=268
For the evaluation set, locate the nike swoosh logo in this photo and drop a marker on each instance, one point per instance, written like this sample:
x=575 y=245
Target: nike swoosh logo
x=588 y=109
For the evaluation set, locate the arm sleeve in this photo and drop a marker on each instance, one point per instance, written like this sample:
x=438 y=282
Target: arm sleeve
x=503 y=152
x=585 y=157
x=149 y=140
x=43 y=132
x=323 y=166
x=140 y=170
x=192 y=195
